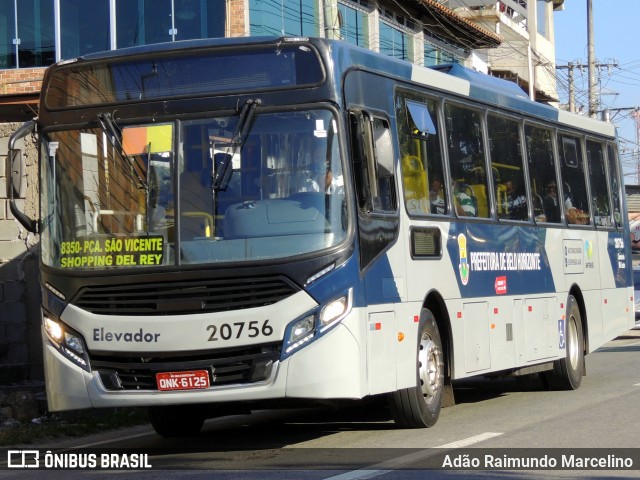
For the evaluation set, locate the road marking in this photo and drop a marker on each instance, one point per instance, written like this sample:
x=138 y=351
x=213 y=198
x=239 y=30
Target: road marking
x=112 y=440
x=471 y=440
x=399 y=462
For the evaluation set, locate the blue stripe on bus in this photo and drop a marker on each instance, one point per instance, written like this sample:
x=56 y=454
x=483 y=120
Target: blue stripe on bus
x=498 y=260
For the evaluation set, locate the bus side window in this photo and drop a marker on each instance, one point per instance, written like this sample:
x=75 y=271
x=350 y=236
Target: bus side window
x=467 y=160
x=614 y=185
x=508 y=173
x=373 y=163
x=421 y=154
x=598 y=179
x=372 y=157
x=542 y=174
x=574 y=192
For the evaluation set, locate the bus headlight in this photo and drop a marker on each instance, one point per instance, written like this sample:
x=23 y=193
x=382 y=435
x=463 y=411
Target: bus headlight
x=335 y=311
x=68 y=342
x=315 y=324
x=302 y=329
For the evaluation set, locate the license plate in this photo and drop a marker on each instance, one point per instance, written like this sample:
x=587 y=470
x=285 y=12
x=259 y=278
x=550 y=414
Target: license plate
x=183 y=380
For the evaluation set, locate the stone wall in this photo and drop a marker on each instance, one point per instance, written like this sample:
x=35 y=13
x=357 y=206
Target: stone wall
x=20 y=296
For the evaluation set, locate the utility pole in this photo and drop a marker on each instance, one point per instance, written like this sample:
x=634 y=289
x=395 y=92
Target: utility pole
x=635 y=114
x=572 y=93
x=591 y=61
x=570 y=67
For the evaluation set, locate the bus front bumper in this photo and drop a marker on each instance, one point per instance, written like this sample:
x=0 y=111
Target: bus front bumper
x=327 y=368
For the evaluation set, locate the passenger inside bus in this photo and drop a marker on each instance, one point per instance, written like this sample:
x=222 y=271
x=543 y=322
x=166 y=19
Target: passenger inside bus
x=464 y=201
x=550 y=200
x=573 y=215
x=436 y=195
x=321 y=178
x=515 y=202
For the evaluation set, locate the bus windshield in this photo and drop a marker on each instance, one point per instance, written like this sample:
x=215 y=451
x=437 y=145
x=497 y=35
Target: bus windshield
x=193 y=192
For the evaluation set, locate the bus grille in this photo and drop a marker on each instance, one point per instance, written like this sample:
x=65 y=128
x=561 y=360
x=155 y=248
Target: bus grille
x=245 y=365
x=184 y=297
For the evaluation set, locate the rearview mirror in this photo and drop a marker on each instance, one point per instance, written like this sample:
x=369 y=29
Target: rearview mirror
x=17 y=171
x=17 y=176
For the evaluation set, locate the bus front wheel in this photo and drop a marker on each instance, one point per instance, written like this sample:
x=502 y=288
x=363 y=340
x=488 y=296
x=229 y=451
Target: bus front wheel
x=568 y=371
x=419 y=406
x=177 y=420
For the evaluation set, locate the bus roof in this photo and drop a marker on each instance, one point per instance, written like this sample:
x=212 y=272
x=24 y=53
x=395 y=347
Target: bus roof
x=450 y=78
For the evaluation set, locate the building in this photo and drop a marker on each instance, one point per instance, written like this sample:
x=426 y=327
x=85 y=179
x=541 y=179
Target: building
x=37 y=33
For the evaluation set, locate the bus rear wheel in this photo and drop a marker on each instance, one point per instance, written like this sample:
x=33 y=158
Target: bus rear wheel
x=419 y=406
x=177 y=420
x=568 y=371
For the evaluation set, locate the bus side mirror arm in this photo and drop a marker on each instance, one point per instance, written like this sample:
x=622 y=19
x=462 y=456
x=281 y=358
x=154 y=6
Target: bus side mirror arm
x=17 y=166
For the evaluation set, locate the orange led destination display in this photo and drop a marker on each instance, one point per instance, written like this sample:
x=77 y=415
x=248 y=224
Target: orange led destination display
x=147 y=139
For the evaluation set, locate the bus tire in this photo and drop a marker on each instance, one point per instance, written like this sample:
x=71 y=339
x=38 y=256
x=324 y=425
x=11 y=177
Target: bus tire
x=419 y=406
x=568 y=371
x=177 y=420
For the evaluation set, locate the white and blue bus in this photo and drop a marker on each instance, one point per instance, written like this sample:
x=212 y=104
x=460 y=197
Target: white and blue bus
x=236 y=221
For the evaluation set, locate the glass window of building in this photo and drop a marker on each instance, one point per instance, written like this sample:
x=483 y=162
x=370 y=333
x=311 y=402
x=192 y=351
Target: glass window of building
x=83 y=30
x=199 y=19
x=143 y=22
x=8 y=55
x=541 y=12
x=155 y=21
x=393 y=41
x=353 y=25
x=33 y=45
x=435 y=56
x=295 y=18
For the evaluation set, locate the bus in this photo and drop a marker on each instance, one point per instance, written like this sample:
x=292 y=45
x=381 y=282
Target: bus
x=235 y=223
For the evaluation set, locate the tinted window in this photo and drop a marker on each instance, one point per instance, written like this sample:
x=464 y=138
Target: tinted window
x=467 y=161
x=575 y=200
x=421 y=156
x=189 y=74
x=614 y=184
x=542 y=174
x=84 y=30
x=506 y=168
x=598 y=178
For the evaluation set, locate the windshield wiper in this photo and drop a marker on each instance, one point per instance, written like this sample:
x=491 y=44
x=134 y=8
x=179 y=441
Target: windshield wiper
x=109 y=126
x=221 y=174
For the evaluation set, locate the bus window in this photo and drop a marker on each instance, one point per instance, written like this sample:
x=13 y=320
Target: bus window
x=372 y=157
x=598 y=178
x=574 y=192
x=421 y=156
x=614 y=183
x=506 y=167
x=542 y=174
x=467 y=161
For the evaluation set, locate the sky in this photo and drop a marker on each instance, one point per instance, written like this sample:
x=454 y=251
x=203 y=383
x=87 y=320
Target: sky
x=615 y=24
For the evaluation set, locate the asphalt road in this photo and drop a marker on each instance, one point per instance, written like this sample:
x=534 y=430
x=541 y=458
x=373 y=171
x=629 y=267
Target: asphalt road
x=493 y=420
